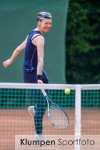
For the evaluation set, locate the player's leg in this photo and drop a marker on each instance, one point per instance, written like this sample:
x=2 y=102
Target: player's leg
x=40 y=107
x=30 y=77
x=37 y=111
x=31 y=111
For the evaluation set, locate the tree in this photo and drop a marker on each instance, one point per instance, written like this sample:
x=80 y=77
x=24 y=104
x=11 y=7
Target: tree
x=82 y=42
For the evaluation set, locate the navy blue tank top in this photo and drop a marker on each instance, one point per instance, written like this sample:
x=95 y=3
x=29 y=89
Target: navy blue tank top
x=30 y=60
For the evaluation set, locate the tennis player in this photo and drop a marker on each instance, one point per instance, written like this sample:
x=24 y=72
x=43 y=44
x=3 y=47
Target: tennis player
x=33 y=64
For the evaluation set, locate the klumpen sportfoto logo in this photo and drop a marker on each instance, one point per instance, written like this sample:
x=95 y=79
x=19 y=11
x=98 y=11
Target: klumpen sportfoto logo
x=24 y=142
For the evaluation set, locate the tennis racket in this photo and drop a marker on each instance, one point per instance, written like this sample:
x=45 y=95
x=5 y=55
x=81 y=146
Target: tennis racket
x=56 y=114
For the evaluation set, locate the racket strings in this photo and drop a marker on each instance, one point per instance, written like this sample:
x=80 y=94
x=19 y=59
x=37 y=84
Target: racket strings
x=58 y=117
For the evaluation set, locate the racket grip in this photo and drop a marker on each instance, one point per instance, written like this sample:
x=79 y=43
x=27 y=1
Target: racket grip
x=43 y=92
x=48 y=113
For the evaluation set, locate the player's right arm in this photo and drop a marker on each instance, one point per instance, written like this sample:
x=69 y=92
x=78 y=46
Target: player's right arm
x=16 y=52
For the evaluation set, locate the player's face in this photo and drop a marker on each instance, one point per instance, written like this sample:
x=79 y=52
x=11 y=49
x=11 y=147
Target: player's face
x=45 y=25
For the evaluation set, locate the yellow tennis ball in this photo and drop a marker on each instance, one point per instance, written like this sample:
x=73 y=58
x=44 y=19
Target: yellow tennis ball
x=67 y=91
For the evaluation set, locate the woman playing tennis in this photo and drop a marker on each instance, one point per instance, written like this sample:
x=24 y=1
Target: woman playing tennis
x=33 y=46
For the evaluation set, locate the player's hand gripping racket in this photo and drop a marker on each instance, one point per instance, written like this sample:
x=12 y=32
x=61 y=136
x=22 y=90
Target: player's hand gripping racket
x=56 y=114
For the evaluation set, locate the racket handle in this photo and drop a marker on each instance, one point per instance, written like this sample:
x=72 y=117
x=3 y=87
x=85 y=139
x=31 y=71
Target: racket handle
x=48 y=113
x=43 y=92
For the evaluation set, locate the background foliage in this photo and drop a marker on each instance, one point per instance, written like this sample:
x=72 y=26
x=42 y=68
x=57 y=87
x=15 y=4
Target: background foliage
x=83 y=42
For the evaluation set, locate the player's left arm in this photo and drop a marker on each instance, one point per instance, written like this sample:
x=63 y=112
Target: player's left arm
x=39 y=42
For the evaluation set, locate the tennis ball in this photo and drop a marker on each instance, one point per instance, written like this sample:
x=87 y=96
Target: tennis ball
x=67 y=91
